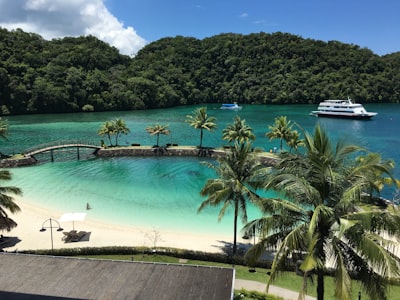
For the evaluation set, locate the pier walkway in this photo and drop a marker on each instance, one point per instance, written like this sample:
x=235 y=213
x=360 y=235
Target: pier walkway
x=60 y=145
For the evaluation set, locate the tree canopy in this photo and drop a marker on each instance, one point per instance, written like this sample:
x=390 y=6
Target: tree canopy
x=7 y=202
x=86 y=74
x=326 y=218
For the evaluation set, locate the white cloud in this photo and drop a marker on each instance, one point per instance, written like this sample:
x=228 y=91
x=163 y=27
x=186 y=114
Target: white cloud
x=60 y=18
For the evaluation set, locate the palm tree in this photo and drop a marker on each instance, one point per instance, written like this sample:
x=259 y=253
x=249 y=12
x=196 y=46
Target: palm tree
x=7 y=202
x=294 y=141
x=158 y=129
x=322 y=219
x=200 y=120
x=238 y=131
x=233 y=187
x=375 y=177
x=120 y=128
x=3 y=128
x=107 y=128
x=281 y=130
x=115 y=127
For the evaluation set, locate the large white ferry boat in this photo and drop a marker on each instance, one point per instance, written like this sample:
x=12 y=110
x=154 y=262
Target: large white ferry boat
x=342 y=109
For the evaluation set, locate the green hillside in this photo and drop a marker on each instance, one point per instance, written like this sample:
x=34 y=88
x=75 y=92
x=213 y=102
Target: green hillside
x=86 y=74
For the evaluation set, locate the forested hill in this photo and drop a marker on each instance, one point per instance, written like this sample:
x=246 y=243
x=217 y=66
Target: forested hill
x=86 y=74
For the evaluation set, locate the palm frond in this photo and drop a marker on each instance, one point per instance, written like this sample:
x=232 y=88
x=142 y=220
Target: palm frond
x=321 y=212
x=7 y=223
x=373 y=284
x=342 y=276
x=377 y=221
x=293 y=242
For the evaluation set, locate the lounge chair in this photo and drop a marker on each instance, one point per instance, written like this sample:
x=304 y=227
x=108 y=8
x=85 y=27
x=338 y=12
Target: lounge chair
x=77 y=237
x=73 y=236
x=67 y=235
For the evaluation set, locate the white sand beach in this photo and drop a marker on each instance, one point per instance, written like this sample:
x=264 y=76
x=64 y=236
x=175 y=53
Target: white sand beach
x=32 y=217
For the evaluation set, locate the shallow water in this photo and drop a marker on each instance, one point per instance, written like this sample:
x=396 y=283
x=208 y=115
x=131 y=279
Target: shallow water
x=163 y=192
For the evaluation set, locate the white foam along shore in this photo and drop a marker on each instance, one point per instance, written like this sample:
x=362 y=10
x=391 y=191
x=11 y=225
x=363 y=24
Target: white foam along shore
x=32 y=217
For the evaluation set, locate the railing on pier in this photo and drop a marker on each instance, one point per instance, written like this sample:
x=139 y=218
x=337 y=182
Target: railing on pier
x=59 y=145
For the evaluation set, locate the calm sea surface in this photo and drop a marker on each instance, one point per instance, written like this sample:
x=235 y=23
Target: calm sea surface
x=163 y=192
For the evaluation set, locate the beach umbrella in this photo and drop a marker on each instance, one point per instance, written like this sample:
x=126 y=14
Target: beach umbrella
x=72 y=217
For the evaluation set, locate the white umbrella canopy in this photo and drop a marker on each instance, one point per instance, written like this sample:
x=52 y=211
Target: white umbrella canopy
x=72 y=217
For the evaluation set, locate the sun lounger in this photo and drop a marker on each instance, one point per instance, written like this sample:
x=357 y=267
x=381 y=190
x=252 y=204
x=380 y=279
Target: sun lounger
x=78 y=236
x=67 y=235
x=73 y=236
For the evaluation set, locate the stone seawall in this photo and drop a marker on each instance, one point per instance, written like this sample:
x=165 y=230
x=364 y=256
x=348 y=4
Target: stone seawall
x=142 y=151
x=17 y=162
x=160 y=151
x=174 y=151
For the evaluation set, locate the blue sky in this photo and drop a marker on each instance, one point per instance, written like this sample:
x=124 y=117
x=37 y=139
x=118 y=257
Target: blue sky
x=131 y=24
x=371 y=24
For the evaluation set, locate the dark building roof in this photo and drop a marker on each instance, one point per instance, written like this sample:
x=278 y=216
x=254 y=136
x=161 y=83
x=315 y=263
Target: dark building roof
x=51 y=277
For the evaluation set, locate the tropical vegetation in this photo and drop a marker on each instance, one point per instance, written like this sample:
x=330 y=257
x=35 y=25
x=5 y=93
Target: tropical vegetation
x=114 y=127
x=233 y=187
x=86 y=74
x=199 y=119
x=281 y=129
x=6 y=192
x=328 y=218
x=7 y=202
x=238 y=131
x=156 y=130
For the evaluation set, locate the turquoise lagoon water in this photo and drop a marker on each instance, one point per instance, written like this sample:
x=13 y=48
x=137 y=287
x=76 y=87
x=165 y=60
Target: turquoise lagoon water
x=163 y=192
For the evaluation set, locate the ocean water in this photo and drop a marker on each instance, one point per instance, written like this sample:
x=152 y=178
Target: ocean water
x=163 y=192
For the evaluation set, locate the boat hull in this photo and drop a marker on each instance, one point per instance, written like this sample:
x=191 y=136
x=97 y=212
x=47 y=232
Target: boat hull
x=344 y=116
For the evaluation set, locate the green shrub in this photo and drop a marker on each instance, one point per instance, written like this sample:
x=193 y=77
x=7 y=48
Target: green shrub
x=178 y=253
x=253 y=295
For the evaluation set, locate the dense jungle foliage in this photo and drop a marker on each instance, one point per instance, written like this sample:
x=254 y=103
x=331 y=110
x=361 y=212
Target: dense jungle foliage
x=86 y=74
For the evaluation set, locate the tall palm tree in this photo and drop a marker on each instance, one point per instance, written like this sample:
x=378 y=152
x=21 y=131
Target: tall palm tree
x=281 y=129
x=322 y=219
x=7 y=202
x=115 y=127
x=233 y=186
x=158 y=129
x=108 y=129
x=294 y=141
x=120 y=128
x=238 y=131
x=199 y=119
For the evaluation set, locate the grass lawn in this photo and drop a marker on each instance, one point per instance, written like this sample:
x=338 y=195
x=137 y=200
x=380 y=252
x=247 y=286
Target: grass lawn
x=288 y=280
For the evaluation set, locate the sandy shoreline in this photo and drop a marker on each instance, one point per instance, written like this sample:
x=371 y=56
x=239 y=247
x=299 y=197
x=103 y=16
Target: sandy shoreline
x=32 y=217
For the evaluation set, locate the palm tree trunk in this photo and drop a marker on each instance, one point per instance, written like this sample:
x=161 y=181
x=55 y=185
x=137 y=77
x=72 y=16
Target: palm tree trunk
x=320 y=285
x=201 y=138
x=158 y=138
x=235 y=229
x=116 y=139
